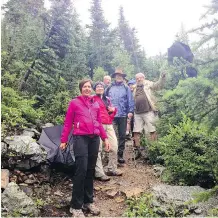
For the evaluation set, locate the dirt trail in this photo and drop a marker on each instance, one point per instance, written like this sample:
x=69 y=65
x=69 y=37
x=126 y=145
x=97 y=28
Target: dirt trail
x=109 y=196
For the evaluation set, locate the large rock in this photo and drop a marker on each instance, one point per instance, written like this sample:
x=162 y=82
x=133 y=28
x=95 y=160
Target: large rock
x=17 y=202
x=178 y=201
x=23 y=152
x=176 y=194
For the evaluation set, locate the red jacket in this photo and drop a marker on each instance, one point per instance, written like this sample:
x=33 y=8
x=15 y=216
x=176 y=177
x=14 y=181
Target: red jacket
x=83 y=115
x=106 y=118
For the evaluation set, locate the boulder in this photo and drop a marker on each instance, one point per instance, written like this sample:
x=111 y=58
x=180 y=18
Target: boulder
x=17 y=202
x=23 y=152
x=176 y=194
x=178 y=201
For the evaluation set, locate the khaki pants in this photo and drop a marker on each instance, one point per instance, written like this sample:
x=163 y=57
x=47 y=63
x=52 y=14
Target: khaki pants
x=112 y=164
x=145 y=121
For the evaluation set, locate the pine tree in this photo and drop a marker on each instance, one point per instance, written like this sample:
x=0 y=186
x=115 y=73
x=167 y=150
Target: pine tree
x=129 y=39
x=22 y=32
x=100 y=41
x=44 y=73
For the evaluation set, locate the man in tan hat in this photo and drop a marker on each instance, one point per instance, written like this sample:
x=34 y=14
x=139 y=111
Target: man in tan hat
x=121 y=98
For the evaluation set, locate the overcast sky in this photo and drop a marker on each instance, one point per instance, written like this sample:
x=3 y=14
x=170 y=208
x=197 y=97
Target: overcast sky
x=157 y=21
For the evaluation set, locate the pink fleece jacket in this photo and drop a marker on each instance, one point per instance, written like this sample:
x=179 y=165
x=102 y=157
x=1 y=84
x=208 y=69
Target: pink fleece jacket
x=83 y=115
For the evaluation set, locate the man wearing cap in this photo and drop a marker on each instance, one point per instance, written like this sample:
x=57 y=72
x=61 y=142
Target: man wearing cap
x=121 y=98
x=145 y=113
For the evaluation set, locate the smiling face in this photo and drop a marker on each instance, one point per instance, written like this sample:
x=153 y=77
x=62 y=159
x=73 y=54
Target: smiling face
x=99 y=90
x=86 y=89
x=139 y=78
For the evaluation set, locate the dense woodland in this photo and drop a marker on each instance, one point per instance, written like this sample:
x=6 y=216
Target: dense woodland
x=45 y=52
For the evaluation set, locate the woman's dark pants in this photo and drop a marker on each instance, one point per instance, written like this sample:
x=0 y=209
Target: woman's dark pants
x=86 y=153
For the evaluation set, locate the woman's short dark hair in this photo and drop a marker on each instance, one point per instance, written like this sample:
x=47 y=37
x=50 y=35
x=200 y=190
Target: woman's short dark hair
x=82 y=82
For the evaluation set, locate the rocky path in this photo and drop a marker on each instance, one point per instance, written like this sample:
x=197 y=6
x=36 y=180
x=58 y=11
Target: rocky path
x=109 y=196
x=52 y=199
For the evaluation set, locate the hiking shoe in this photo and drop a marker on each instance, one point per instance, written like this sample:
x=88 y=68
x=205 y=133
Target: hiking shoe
x=77 y=212
x=91 y=208
x=103 y=178
x=114 y=173
x=121 y=160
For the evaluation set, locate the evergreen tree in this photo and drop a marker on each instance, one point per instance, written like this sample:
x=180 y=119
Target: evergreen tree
x=22 y=32
x=131 y=43
x=100 y=41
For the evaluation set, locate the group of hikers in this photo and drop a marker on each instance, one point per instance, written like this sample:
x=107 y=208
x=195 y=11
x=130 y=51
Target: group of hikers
x=107 y=118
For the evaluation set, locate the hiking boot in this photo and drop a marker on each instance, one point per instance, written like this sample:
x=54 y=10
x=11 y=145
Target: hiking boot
x=103 y=178
x=114 y=173
x=77 y=212
x=121 y=160
x=91 y=208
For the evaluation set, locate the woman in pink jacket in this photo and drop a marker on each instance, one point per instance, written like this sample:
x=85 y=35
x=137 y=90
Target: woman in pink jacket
x=83 y=116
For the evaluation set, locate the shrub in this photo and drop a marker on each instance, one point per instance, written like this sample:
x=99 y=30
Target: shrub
x=17 y=111
x=190 y=154
x=140 y=207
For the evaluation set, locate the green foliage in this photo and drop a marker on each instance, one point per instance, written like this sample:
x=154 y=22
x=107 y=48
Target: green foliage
x=189 y=153
x=123 y=60
x=204 y=196
x=99 y=74
x=55 y=108
x=40 y=203
x=140 y=207
x=128 y=38
x=100 y=40
x=17 y=111
x=196 y=97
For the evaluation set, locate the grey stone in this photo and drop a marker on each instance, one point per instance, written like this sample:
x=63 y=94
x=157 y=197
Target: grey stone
x=25 y=152
x=26 y=189
x=198 y=211
x=180 y=199
x=30 y=181
x=28 y=133
x=16 y=201
x=158 y=170
x=31 y=131
x=176 y=194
